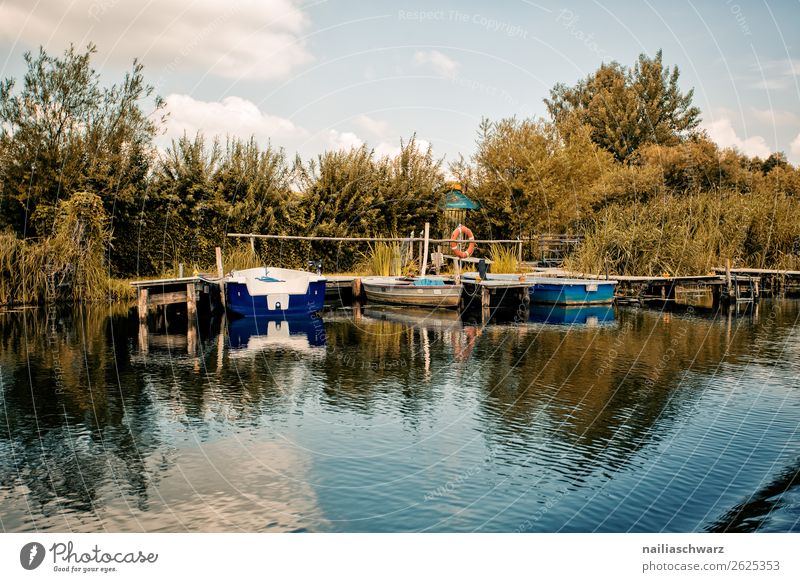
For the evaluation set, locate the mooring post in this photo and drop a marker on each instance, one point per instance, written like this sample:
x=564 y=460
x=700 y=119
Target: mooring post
x=180 y=270
x=486 y=303
x=142 y=304
x=728 y=277
x=221 y=275
x=424 y=267
x=191 y=336
x=355 y=286
x=191 y=304
x=253 y=244
x=519 y=256
x=143 y=337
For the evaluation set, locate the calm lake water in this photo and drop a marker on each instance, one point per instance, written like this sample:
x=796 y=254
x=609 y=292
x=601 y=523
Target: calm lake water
x=397 y=420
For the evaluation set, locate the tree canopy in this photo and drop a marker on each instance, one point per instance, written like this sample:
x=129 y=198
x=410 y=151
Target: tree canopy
x=627 y=108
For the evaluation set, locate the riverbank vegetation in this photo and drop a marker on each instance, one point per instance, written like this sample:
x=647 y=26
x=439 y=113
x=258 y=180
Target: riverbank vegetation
x=87 y=199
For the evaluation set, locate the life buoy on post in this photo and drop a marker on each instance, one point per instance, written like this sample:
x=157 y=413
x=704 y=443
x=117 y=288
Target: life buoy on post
x=461 y=229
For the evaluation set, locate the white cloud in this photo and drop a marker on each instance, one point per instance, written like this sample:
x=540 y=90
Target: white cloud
x=347 y=140
x=344 y=140
x=389 y=149
x=386 y=149
x=441 y=64
x=722 y=132
x=371 y=125
x=776 y=117
x=256 y=39
x=794 y=149
x=232 y=116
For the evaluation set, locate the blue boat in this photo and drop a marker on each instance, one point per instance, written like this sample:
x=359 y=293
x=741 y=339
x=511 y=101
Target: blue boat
x=556 y=291
x=589 y=315
x=571 y=291
x=275 y=293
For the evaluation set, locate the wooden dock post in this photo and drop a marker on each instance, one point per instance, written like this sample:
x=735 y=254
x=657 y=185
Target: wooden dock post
x=424 y=267
x=728 y=283
x=357 y=290
x=144 y=341
x=221 y=275
x=191 y=304
x=486 y=304
x=142 y=304
x=253 y=244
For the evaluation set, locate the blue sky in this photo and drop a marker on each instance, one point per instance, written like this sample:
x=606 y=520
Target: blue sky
x=317 y=75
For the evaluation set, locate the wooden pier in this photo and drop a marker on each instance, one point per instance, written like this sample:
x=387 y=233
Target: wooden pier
x=201 y=295
x=705 y=291
x=773 y=282
x=495 y=296
x=200 y=290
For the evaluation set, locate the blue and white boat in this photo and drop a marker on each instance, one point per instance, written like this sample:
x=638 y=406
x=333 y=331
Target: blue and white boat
x=557 y=291
x=274 y=292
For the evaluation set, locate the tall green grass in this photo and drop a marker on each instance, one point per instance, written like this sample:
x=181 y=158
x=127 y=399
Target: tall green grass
x=67 y=265
x=504 y=259
x=690 y=235
x=379 y=259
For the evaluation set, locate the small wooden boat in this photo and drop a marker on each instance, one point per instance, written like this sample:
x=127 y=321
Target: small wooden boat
x=415 y=291
x=273 y=292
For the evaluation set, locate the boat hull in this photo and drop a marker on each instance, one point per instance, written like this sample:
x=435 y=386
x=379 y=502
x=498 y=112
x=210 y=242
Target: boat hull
x=572 y=293
x=555 y=291
x=240 y=302
x=388 y=294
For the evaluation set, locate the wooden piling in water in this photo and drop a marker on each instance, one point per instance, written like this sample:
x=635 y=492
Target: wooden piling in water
x=142 y=304
x=191 y=305
x=221 y=275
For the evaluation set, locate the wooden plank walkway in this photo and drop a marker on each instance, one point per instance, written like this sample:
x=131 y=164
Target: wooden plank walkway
x=190 y=291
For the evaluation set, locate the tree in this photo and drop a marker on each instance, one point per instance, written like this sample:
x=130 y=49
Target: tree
x=627 y=108
x=63 y=132
x=531 y=176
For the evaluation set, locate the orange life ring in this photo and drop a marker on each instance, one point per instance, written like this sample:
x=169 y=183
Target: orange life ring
x=461 y=229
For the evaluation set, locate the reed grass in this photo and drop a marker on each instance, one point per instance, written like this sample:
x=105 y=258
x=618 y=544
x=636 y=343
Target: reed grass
x=241 y=256
x=69 y=265
x=504 y=259
x=379 y=259
x=690 y=235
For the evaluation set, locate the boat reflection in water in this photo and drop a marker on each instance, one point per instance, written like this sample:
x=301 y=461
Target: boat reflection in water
x=589 y=315
x=256 y=334
x=428 y=318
